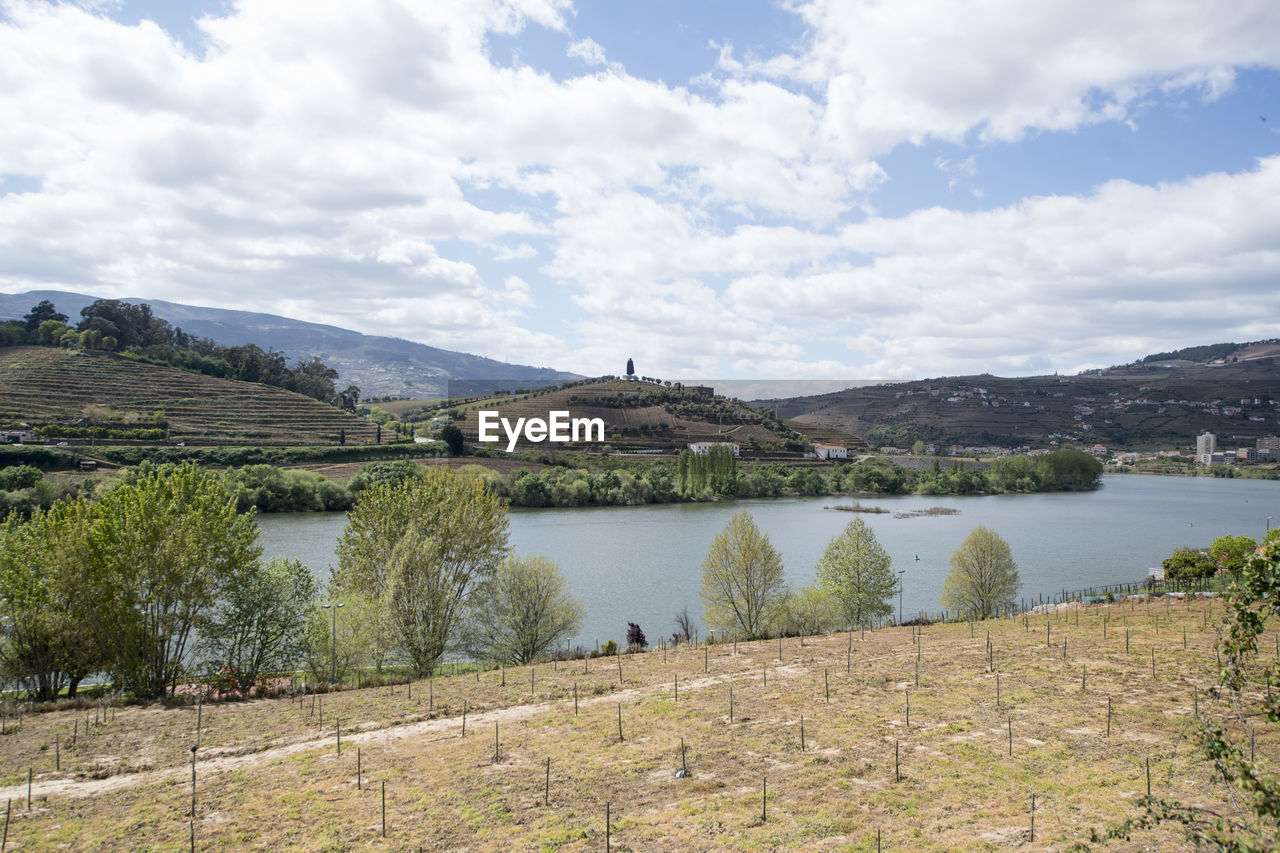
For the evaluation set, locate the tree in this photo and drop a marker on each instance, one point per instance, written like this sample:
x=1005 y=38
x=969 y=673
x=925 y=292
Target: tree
x=523 y=611
x=743 y=589
x=452 y=437
x=420 y=547
x=983 y=578
x=350 y=398
x=43 y=312
x=635 y=637
x=1231 y=552
x=857 y=573
x=42 y=642
x=810 y=610
x=631 y=368
x=685 y=626
x=1188 y=564
x=161 y=551
x=260 y=623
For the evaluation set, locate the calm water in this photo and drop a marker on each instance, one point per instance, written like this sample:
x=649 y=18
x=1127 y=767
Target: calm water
x=642 y=564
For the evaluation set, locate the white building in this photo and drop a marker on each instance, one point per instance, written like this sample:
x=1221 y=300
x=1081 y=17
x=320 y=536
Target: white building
x=829 y=451
x=704 y=446
x=1206 y=446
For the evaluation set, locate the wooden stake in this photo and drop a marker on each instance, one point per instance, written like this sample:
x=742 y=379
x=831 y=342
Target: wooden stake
x=1033 y=817
x=495 y=743
x=464 y=719
x=384 y=808
x=1148 y=777
x=359 y=786
x=575 y=698
x=546 y=786
x=608 y=841
x=1010 y=735
x=802 y=732
x=897 y=775
x=826 y=684
x=1108 y=716
x=620 y=737
x=764 y=799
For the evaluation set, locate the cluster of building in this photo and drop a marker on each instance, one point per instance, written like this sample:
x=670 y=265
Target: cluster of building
x=1207 y=452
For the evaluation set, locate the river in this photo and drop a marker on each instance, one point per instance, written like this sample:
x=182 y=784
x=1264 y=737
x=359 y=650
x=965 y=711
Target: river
x=642 y=564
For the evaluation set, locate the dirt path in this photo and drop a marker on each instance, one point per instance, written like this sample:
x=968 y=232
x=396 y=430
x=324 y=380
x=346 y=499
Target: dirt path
x=438 y=729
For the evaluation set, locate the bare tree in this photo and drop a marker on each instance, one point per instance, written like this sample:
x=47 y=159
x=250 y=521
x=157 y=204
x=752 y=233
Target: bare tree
x=685 y=626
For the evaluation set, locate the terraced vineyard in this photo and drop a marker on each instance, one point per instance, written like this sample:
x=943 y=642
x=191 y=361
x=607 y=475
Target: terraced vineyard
x=652 y=426
x=43 y=386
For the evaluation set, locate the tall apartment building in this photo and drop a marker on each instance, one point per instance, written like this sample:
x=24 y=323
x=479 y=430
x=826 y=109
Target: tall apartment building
x=1206 y=446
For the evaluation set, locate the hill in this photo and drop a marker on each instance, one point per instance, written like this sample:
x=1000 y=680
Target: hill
x=643 y=415
x=49 y=386
x=1160 y=402
x=379 y=365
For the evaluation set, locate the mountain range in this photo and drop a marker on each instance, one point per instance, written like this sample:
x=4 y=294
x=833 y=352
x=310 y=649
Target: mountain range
x=380 y=366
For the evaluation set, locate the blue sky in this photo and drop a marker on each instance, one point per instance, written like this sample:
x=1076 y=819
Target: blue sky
x=729 y=188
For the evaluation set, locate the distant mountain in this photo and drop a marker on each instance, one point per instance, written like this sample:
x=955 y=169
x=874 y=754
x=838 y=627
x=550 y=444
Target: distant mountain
x=1162 y=401
x=378 y=365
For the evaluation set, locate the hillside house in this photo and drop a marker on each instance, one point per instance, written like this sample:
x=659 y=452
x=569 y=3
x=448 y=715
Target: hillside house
x=17 y=436
x=704 y=446
x=830 y=451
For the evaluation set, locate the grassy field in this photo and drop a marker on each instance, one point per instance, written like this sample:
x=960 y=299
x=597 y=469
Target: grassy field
x=47 y=385
x=820 y=719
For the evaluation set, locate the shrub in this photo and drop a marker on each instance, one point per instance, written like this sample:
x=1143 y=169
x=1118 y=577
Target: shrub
x=635 y=638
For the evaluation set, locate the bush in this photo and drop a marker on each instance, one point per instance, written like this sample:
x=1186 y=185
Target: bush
x=609 y=648
x=17 y=477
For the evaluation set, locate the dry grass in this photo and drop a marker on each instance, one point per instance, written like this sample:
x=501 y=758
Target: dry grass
x=270 y=776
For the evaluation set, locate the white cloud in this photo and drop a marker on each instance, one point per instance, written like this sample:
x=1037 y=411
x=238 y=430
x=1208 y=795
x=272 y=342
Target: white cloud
x=369 y=164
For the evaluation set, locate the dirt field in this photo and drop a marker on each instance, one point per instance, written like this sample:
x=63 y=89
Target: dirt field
x=821 y=725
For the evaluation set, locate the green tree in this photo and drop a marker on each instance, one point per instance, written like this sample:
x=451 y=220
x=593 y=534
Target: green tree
x=43 y=312
x=42 y=641
x=259 y=625
x=808 y=611
x=983 y=578
x=162 y=550
x=1231 y=552
x=1069 y=470
x=452 y=437
x=521 y=612
x=1188 y=564
x=420 y=547
x=743 y=589
x=857 y=573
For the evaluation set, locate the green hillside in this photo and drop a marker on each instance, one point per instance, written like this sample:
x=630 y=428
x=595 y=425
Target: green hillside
x=51 y=387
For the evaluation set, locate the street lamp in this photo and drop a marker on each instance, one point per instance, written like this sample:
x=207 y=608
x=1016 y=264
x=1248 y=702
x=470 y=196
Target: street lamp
x=901 y=572
x=334 y=607
x=1269 y=523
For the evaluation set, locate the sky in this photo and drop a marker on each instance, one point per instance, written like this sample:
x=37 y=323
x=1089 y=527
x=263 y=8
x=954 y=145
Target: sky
x=816 y=189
